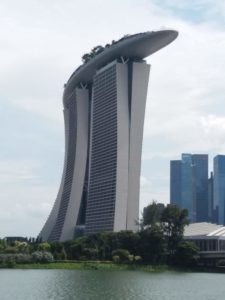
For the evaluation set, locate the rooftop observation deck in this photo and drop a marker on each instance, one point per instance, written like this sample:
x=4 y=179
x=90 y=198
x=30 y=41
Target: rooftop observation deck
x=137 y=46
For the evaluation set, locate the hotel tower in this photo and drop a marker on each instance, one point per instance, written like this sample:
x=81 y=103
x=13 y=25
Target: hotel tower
x=104 y=107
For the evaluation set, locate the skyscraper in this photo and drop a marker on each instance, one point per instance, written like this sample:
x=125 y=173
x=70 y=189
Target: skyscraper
x=104 y=106
x=219 y=188
x=189 y=180
x=200 y=169
x=175 y=182
x=188 y=199
x=211 y=212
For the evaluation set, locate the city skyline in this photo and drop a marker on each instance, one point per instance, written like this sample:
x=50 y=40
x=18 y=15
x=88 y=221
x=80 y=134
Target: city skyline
x=197 y=188
x=219 y=188
x=185 y=107
x=189 y=185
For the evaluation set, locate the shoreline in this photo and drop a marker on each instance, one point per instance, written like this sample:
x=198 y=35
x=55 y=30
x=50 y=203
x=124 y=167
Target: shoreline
x=92 y=266
x=110 y=266
x=95 y=265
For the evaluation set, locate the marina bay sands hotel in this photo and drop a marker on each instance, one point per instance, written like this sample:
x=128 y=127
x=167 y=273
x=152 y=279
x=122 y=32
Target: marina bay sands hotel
x=104 y=107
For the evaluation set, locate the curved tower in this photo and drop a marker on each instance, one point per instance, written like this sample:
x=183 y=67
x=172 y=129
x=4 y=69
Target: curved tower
x=104 y=106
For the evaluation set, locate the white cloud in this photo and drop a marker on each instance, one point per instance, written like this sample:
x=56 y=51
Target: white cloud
x=24 y=209
x=41 y=44
x=144 y=182
x=16 y=171
x=186 y=88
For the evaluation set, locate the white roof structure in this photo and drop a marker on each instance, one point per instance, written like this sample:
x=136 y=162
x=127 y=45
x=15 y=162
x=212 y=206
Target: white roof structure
x=138 y=45
x=204 y=230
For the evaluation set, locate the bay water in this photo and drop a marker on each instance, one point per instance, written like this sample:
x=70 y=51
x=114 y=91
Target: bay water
x=109 y=285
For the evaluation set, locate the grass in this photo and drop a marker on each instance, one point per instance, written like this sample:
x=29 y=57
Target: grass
x=93 y=266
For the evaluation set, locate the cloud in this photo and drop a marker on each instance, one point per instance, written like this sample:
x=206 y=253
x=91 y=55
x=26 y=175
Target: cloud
x=144 y=182
x=188 y=88
x=199 y=11
x=41 y=45
x=24 y=208
x=15 y=171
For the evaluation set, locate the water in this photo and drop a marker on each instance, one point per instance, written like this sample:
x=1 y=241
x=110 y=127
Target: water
x=101 y=285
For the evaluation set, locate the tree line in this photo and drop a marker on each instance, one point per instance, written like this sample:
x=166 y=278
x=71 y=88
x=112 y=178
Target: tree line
x=158 y=241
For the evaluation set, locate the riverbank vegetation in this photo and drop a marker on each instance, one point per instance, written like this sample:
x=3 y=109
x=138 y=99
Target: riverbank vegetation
x=95 y=265
x=158 y=242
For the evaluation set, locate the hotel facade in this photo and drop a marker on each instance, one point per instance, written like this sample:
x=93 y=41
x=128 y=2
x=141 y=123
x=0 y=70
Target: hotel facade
x=104 y=107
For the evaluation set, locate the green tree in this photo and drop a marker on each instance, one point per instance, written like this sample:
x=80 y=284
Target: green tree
x=98 y=49
x=152 y=246
x=44 y=247
x=90 y=253
x=130 y=240
x=95 y=51
x=186 y=254
x=2 y=245
x=42 y=257
x=22 y=247
x=123 y=254
x=152 y=215
x=173 y=221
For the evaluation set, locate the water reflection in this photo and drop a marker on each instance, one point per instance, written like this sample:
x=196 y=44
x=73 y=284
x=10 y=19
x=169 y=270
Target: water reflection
x=100 y=285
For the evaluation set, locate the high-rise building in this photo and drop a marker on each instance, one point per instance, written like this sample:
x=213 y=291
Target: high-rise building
x=104 y=106
x=200 y=169
x=188 y=199
x=175 y=182
x=211 y=213
x=189 y=180
x=219 y=189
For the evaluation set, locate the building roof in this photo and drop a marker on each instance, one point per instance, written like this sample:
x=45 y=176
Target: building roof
x=204 y=230
x=136 y=46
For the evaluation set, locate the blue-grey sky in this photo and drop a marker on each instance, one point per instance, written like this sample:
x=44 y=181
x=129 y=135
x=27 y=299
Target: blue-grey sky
x=41 y=43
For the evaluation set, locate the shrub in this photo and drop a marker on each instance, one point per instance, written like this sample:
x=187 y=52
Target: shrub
x=22 y=247
x=130 y=258
x=44 y=247
x=116 y=259
x=47 y=257
x=90 y=253
x=60 y=255
x=11 y=249
x=10 y=263
x=37 y=256
x=42 y=257
x=22 y=258
x=122 y=253
x=2 y=258
x=137 y=258
x=186 y=254
x=7 y=260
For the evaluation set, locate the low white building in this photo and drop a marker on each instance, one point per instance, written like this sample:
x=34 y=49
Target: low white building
x=207 y=236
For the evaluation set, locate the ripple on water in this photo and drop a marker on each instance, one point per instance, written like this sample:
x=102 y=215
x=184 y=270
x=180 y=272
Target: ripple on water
x=101 y=285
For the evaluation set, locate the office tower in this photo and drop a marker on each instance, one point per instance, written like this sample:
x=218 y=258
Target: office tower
x=175 y=182
x=189 y=179
x=104 y=106
x=187 y=186
x=211 y=212
x=200 y=169
x=115 y=148
x=219 y=188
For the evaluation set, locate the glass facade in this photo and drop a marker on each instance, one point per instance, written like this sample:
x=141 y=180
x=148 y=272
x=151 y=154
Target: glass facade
x=219 y=188
x=211 y=213
x=57 y=229
x=189 y=185
x=103 y=153
x=200 y=175
x=175 y=182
